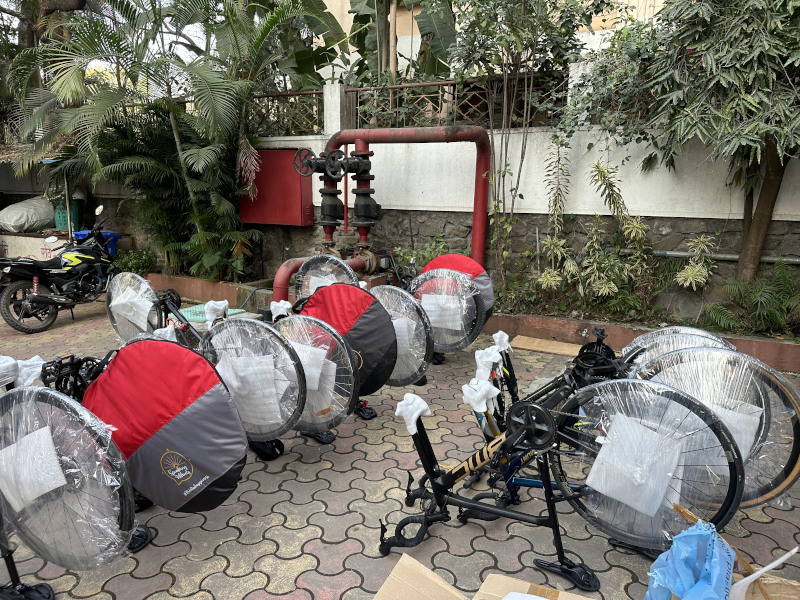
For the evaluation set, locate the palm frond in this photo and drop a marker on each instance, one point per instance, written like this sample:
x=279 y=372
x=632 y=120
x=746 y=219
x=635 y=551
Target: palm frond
x=200 y=159
x=215 y=96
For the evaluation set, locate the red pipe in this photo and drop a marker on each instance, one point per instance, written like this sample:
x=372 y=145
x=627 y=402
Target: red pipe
x=280 y=286
x=423 y=135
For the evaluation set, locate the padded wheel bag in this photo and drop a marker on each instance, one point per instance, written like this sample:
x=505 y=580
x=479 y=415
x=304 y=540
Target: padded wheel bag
x=366 y=327
x=472 y=269
x=174 y=421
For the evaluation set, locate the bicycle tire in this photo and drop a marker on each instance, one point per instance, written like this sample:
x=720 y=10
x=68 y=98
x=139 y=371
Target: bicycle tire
x=88 y=520
x=651 y=337
x=321 y=270
x=251 y=339
x=772 y=461
x=139 y=310
x=708 y=477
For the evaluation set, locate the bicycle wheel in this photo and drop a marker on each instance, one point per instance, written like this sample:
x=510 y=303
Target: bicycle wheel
x=653 y=339
x=633 y=448
x=320 y=271
x=754 y=401
x=132 y=306
x=454 y=306
x=262 y=372
x=413 y=331
x=330 y=369
x=64 y=484
x=670 y=342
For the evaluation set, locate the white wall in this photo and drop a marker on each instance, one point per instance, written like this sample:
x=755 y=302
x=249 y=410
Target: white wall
x=441 y=177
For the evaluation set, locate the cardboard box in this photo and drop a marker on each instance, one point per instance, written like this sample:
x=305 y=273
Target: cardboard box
x=497 y=586
x=411 y=580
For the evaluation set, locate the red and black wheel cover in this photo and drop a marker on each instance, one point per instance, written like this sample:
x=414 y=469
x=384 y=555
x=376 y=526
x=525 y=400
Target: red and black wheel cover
x=470 y=268
x=364 y=324
x=175 y=423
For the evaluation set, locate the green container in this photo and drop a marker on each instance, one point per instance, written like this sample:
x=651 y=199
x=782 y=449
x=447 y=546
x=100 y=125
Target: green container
x=61 y=215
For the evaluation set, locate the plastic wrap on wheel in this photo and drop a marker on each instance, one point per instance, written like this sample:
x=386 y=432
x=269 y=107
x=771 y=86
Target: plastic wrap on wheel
x=8 y=371
x=28 y=371
x=651 y=339
x=320 y=271
x=331 y=373
x=63 y=482
x=670 y=342
x=413 y=331
x=454 y=307
x=262 y=372
x=756 y=403
x=131 y=306
x=636 y=447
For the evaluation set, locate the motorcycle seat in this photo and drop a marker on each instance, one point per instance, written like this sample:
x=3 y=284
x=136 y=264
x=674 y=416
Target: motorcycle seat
x=53 y=263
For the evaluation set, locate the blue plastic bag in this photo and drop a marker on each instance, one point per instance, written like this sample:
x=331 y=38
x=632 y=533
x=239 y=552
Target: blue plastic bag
x=698 y=566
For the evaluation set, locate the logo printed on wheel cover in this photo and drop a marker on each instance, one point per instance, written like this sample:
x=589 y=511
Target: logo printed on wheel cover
x=176 y=466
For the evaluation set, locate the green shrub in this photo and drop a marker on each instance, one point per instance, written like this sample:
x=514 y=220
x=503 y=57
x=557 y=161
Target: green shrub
x=140 y=262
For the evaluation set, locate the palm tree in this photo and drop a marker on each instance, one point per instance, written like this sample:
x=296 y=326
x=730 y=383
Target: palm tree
x=193 y=61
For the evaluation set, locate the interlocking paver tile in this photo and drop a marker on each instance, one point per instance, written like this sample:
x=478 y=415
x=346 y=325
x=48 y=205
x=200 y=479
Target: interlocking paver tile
x=241 y=557
x=332 y=557
x=343 y=463
x=168 y=527
x=334 y=527
x=201 y=595
x=328 y=587
x=134 y=588
x=203 y=543
x=90 y=583
x=290 y=541
x=341 y=482
x=297 y=514
x=304 y=492
x=338 y=503
x=373 y=512
x=252 y=528
x=309 y=473
x=265 y=595
x=218 y=518
x=374 y=570
x=507 y=560
x=263 y=504
x=188 y=574
x=282 y=573
x=220 y=585
x=152 y=561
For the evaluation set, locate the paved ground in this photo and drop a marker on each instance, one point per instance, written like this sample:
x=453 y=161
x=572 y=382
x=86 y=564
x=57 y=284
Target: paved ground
x=307 y=524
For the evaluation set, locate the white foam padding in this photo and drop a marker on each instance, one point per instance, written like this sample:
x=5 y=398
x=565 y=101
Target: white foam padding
x=280 y=309
x=743 y=422
x=411 y=408
x=29 y=469
x=132 y=306
x=251 y=380
x=312 y=360
x=215 y=309
x=404 y=329
x=166 y=333
x=319 y=400
x=444 y=312
x=635 y=465
x=8 y=370
x=501 y=341
x=318 y=281
x=28 y=371
x=478 y=393
x=486 y=359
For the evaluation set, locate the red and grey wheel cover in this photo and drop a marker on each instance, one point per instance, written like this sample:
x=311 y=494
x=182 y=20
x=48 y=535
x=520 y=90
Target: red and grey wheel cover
x=471 y=268
x=364 y=324
x=174 y=421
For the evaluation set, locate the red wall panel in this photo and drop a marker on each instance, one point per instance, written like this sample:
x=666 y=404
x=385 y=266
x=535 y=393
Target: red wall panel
x=283 y=198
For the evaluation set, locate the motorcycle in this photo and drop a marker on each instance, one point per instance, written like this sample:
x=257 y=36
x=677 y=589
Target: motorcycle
x=35 y=290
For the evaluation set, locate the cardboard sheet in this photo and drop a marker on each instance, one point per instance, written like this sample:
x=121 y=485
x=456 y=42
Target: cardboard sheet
x=522 y=342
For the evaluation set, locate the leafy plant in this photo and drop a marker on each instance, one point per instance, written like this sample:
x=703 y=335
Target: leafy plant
x=140 y=262
x=760 y=306
x=698 y=271
x=419 y=257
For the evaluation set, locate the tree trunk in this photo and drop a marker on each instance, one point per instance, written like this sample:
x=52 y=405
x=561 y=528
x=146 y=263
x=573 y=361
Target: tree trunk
x=393 y=39
x=747 y=217
x=753 y=244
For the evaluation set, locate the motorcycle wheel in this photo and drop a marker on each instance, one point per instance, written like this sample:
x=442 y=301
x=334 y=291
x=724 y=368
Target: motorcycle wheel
x=11 y=309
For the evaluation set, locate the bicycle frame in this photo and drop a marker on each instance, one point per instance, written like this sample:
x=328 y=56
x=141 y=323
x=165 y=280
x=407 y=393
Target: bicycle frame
x=441 y=494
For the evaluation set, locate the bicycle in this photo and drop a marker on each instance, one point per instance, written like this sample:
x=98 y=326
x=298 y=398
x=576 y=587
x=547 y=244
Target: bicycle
x=568 y=433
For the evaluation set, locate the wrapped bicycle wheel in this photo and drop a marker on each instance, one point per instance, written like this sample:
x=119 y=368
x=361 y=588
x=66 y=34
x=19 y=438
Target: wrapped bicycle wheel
x=320 y=271
x=655 y=346
x=413 y=332
x=755 y=402
x=669 y=342
x=472 y=269
x=63 y=481
x=331 y=372
x=632 y=448
x=454 y=307
x=132 y=306
x=262 y=372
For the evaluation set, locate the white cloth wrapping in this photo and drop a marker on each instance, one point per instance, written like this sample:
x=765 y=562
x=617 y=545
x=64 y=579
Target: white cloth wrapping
x=501 y=341
x=215 y=309
x=411 y=408
x=280 y=309
x=479 y=394
x=28 y=371
x=486 y=359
